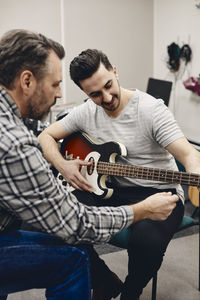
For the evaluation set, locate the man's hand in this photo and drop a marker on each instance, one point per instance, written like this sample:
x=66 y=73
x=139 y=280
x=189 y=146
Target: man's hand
x=71 y=173
x=156 y=207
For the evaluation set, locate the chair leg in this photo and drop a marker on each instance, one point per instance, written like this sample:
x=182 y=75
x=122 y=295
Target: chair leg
x=194 y=212
x=154 y=287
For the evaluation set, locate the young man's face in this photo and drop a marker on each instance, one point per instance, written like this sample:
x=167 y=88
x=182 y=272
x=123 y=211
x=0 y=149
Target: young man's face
x=103 y=88
x=47 y=90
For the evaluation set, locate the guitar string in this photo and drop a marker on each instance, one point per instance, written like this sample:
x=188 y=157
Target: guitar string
x=148 y=173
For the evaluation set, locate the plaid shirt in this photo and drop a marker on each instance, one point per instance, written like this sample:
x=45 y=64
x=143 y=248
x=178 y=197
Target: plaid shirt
x=30 y=192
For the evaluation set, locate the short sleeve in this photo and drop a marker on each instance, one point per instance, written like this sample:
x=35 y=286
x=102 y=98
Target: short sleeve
x=165 y=127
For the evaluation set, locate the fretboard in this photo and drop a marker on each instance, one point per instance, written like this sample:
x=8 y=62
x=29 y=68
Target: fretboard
x=148 y=173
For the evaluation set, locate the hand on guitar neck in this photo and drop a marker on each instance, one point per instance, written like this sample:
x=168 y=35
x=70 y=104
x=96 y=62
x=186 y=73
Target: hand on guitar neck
x=156 y=207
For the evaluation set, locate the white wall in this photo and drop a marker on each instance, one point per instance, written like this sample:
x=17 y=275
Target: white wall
x=37 y=15
x=179 y=21
x=123 y=29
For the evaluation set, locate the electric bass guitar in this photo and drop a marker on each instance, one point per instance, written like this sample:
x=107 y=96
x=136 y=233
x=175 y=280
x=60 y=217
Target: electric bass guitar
x=102 y=157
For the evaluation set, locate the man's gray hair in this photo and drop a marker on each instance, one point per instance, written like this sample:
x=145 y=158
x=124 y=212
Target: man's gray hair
x=25 y=50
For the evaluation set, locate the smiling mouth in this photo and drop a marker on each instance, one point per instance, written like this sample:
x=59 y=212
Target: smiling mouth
x=111 y=103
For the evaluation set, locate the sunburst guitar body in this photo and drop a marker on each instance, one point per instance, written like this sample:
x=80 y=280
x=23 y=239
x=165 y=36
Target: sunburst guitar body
x=101 y=155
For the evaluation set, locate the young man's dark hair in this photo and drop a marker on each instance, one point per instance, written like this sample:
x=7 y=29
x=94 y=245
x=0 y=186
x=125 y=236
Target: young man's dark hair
x=86 y=64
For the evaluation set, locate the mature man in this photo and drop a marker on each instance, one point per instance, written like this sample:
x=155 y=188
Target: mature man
x=152 y=137
x=30 y=77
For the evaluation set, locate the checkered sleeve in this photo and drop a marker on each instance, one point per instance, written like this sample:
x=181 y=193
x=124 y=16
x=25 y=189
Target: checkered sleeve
x=30 y=192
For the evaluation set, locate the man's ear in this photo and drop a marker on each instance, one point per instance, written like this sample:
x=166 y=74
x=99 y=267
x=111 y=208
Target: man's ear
x=115 y=72
x=27 y=81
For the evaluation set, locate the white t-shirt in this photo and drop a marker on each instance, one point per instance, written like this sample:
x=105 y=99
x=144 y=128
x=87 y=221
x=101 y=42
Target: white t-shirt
x=145 y=127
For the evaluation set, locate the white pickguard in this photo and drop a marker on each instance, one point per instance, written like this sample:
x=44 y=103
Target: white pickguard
x=92 y=178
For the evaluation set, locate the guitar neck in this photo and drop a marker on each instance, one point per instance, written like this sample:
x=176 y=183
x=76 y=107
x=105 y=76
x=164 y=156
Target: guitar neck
x=148 y=173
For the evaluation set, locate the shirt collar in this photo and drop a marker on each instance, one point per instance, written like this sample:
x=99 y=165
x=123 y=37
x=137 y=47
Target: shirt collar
x=9 y=102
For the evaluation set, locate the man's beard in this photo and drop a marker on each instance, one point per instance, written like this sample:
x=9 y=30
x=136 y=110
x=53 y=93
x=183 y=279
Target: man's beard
x=116 y=96
x=33 y=113
x=111 y=108
x=36 y=101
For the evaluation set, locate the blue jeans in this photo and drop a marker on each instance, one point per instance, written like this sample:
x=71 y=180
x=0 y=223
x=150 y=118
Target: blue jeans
x=36 y=260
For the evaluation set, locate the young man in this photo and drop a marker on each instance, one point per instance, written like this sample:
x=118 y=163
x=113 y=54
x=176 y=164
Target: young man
x=30 y=77
x=148 y=130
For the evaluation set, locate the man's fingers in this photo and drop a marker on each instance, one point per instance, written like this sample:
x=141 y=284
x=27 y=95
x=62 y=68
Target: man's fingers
x=83 y=181
x=169 y=196
x=173 y=198
x=84 y=162
x=75 y=186
x=165 y=193
x=82 y=187
x=79 y=182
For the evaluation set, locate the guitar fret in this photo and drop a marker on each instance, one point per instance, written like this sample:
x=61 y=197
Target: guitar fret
x=172 y=175
x=148 y=173
x=165 y=175
x=142 y=173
